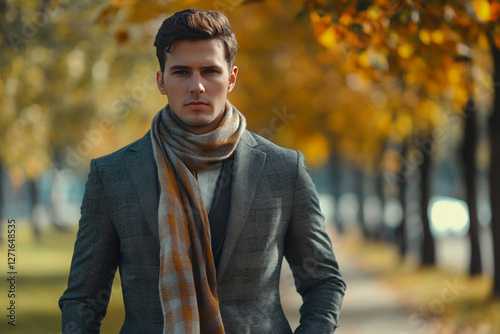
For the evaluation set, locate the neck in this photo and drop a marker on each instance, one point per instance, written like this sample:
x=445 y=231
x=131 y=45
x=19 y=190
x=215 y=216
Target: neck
x=200 y=130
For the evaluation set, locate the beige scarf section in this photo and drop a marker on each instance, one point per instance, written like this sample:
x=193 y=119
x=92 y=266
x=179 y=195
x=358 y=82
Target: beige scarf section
x=188 y=287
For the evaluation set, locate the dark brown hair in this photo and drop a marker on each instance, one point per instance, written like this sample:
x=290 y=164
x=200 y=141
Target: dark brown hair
x=195 y=25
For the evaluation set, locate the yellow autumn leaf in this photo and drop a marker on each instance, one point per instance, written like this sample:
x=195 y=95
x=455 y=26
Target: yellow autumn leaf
x=404 y=124
x=364 y=60
x=316 y=18
x=454 y=75
x=406 y=50
x=374 y=13
x=346 y=19
x=437 y=36
x=429 y=111
x=328 y=38
x=320 y=23
x=425 y=36
x=482 y=9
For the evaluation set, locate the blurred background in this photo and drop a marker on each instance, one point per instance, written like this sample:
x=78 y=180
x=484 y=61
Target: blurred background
x=395 y=104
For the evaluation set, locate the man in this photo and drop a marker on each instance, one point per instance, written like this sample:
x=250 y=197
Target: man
x=199 y=213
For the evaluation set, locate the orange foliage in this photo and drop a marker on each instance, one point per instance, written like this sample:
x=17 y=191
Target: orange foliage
x=415 y=44
x=341 y=77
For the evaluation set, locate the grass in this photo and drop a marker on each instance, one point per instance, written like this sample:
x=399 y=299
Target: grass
x=42 y=272
x=442 y=301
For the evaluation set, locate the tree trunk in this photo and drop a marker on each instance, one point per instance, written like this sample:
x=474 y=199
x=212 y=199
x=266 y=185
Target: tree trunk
x=336 y=172
x=494 y=133
x=382 y=231
x=428 y=253
x=401 y=232
x=360 y=192
x=469 y=168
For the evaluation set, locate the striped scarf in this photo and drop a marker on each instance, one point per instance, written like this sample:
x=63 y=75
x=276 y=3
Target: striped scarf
x=188 y=287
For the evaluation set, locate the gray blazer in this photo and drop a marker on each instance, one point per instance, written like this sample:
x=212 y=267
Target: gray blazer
x=274 y=213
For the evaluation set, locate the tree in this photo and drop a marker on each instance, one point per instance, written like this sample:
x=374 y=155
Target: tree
x=63 y=103
x=494 y=125
x=468 y=151
x=429 y=34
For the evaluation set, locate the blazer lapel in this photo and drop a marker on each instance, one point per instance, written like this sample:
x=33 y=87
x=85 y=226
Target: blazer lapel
x=248 y=164
x=143 y=172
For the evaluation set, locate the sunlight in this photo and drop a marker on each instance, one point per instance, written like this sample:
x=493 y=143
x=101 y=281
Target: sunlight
x=448 y=215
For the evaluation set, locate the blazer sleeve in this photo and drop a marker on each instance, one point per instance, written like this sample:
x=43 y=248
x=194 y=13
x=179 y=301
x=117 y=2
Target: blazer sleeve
x=308 y=250
x=84 y=303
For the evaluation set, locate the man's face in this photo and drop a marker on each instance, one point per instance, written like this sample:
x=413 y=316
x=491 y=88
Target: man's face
x=196 y=81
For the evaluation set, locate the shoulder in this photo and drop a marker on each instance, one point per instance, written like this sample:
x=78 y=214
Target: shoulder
x=278 y=159
x=273 y=150
x=121 y=169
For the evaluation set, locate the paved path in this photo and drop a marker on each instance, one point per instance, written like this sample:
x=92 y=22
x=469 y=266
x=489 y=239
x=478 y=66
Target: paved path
x=370 y=306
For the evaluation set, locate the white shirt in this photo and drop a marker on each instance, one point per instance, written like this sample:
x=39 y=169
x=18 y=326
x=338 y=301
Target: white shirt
x=207 y=179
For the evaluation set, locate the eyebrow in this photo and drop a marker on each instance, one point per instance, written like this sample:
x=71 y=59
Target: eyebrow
x=184 y=67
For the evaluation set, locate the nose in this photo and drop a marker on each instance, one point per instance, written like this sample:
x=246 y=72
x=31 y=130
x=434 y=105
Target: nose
x=197 y=86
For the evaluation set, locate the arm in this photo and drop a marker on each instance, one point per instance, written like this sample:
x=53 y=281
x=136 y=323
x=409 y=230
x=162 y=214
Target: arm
x=308 y=250
x=94 y=263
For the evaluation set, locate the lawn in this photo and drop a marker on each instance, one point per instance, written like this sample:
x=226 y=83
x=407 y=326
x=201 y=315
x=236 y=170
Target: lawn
x=42 y=272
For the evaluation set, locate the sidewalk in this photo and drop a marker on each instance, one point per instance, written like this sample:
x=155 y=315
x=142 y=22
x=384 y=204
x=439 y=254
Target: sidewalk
x=370 y=306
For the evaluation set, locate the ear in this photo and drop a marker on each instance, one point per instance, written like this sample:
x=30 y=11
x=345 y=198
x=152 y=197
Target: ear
x=232 y=78
x=160 y=82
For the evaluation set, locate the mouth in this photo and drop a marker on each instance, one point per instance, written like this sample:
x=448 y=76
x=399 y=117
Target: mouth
x=197 y=103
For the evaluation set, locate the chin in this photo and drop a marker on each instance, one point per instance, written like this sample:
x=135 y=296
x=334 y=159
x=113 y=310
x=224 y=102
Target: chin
x=199 y=121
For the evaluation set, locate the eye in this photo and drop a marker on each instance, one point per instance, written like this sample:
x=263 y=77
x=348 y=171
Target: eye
x=211 y=71
x=180 y=72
